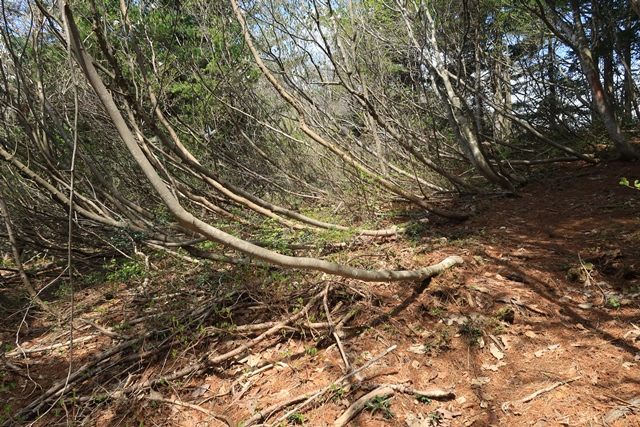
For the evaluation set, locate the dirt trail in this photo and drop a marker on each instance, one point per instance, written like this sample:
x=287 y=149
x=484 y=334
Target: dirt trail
x=540 y=327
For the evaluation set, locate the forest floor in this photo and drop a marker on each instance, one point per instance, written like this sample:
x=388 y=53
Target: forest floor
x=539 y=327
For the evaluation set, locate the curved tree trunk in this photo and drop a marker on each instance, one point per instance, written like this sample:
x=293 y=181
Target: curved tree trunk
x=187 y=220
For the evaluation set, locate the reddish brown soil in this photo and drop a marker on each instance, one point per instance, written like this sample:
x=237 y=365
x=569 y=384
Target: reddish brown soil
x=551 y=280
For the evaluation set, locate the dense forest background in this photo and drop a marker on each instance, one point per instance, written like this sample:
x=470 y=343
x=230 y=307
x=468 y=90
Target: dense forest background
x=251 y=115
x=248 y=134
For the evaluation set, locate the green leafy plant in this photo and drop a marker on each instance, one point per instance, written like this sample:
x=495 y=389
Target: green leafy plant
x=423 y=399
x=337 y=391
x=298 y=304
x=625 y=183
x=415 y=230
x=439 y=340
x=296 y=418
x=124 y=272
x=7 y=411
x=613 y=302
x=434 y=418
x=311 y=351
x=272 y=236
x=380 y=404
x=505 y=314
x=122 y=326
x=471 y=331
x=93 y=278
x=436 y=311
x=5 y=385
x=63 y=290
x=5 y=261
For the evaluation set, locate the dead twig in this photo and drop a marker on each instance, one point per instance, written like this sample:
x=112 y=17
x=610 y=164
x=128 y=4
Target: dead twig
x=267 y=412
x=214 y=360
x=106 y=331
x=335 y=332
x=177 y=402
x=523 y=305
x=336 y=383
x=17 y=258
x=618 y=412
x=507 y=405
x=61 y=387
x=22 y=351
x=635 y=402
x=246 y=376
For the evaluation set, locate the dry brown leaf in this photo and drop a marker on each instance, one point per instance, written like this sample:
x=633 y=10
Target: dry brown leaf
x=494 y=368
x=480 y=381
x=418 y=348
x=253 y=360
x=495 y=351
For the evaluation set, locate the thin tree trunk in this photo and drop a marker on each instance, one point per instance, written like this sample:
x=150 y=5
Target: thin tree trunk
x=17 y=257
x=479 y=107
x=589 y=67
x=628 y=91
x=635 y=5
x=345 y=156
x=502 y=94
x=553 y=82
x=625 y=150
x=373 y=128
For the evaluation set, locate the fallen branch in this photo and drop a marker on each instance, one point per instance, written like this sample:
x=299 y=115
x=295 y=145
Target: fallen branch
x=307 y=397
x=59 y=388
x=214 y=360
x=432 y=393
x=529 y=398
x=267 y=412
x=359 y=405
x=21 y=351
x=172 y=253
x=635 y=402
x=335 y=332
x=257 y=327
x=106 y=331
x=523 y=305
x=542 y=161
x=328 y=387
